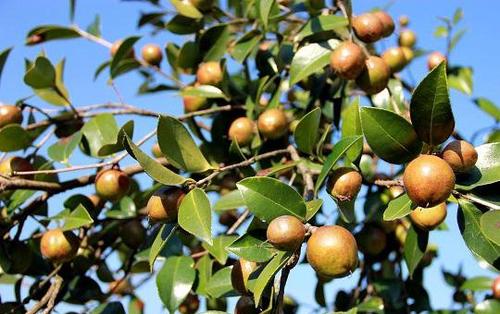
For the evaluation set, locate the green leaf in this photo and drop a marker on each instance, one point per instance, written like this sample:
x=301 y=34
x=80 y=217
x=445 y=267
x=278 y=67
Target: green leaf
x=42 y=74
x=121 y=56
x=488 y=106
x=252 y=249
x=218 y=248
x=310 y=59
x=205 y=91
x=268 y=198
x=469 y=223
x=109 y=308
x=322 y=23
x=306 y=132
x=268 y=273
x=183 y=25
x=13 y=137
x=430 y=108
x=74 y=219
x=458 y=15
x=398 y=208
x=312 y=208
x=220 y=283
x=51 y=32
x=346 y=209
x=52 y=95
x=244 y=46
x=415 y=246
x=214 y=42
x=351 y=126
x=263 y=10
x=389 y=135
x=453 y=43
x=230 y=200
x=204 y=267
x=186 y=8
x=117 y=146
x=189 y=56
x=486 y=170
x=477 y=284
x=95 y=27
x=337 y=152
x=195 y=215
x=179 y=147
x=490 y=225
x=461 y=80
x=372 y=305
x=153 y=168
x=490 y=306
x=164 y=235
x=125 y=209
x=62 y=150
x=174 y=281
x=440 y=31
x=4 y=54
x=99 y=131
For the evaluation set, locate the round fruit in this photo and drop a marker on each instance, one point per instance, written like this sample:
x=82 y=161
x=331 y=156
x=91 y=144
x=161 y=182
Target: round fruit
x=332 y=251
x=435 y=59
x=347 y=60
x=368 y=27
x=272 y=123
x=407 y=38
x=372 y=240
x=133 y=234
x=9 y=115
x=116 y=45
x=395 y=59
x=194 y=103
x=375 y=76
x=156 y=151
x=209 y=73
x=120 y=287
x=428 y=180
x=387 y=22
x=286 y=233
x=460 y=155
x=404 y=20
x=409 y=54
x=242 y=131
x=428 y=218
x=228 y=217
x=495 y=288
x=151 y=53
x=245 y=305
x=15 y=164
x=240 y=273
x=344 y=183
x=163 y=205
x=112 y=184
x=190 y=305
x=58 y=246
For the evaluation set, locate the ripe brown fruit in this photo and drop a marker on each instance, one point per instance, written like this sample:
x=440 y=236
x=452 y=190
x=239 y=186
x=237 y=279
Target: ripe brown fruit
x=112 y=184
x=387 y=22
x=133 y=234
x=435 y=59
x=273 y=123
x=152 y=54
x=428 y=180
x=209 y=73
x=10 y=114
x=332 y=252
x=395 y=59
x=245 y=305
x=368 y=27
x=495 y=288
x=190 y=305
x=407 y=38
x=375 y=76
x=460 y=155
x=428 y=218
x=228 y=217
x=163 y=205
x=156 y=151
x=344 y=183
x=194 y=103
x=286 y=233
x=240 y=273
x=347 y=60
x=372 y=240
x=242 y=131
x=404 y=20
x=15 y=164
x=116 y=45
x=58 y=246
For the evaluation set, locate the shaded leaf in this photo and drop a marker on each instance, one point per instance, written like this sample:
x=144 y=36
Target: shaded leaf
x=99 y=131
x=322 y=23
x=268 y=273
x=415 y=246
x=119 y=60
x=220 y=283
x=164 y=235
x=13 y=137
x=3 y=59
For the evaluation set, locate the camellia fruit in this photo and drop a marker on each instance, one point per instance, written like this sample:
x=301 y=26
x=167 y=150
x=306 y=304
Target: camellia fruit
x=15 y=164
x=133 y=233
x=332 y=251
x=395 y=59
x=435 y=59
x=10 y=115
x=344 y=183
x=428 y=180
x=387 y=22
x=112 y=184
x=209 y=73
x=245 y=305
x=240 y=273
x=163 y=205
x=273 y=123
x=367 y=27
x=241 y=131
x=59 y=246
x=495 y=288
x=428 y=218
x=152 y=54
x=286 y=233
x=407 y=38
x=460 y=155
x=190 y=305
x=372 y=240
x=375 y=76
x=347 y=60
x=194 y=103
x=409 y=54
x=116 y=45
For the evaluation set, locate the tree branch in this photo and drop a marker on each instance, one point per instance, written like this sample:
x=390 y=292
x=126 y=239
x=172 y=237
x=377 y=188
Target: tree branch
x=306 y=174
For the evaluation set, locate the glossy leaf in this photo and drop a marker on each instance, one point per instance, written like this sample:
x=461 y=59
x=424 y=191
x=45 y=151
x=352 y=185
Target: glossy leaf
x=117 y=146
x=479 y=283
x=313 y=207
x=398 y=208
x=205 y=91
x=179 y=147
x=41 y=75
x=121 y=56
x=389 y=135
x=183 y=25
x=415 y=246
x=244 y=46
x=488 y=106
x=95 y=27
x=174 y=281
x=195 y=215
x=74 y=219
x=13 y=137
x=490 y=225
x=218 y=248
x=214 y=42
x=220 y=283
x=62 y=150
x=306 y=132
x=4 y=54
x=268 y=198
x=263 y=10
x=252 y=249
x=323 y=23
x=230 y=200
x=461 y=80
x=351 y=126
x=52 y=32
x=487 y=168
x=125 y=209
x=99 y=131
x=430 y=108
x=164 y=235
x=204 y=267
x=268 y=272
x=186 y=8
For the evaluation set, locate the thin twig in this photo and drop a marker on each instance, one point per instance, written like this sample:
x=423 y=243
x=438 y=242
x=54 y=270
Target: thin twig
x=306 y=174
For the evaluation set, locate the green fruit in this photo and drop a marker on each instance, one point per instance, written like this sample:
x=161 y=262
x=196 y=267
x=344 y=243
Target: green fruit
x=375 y=76
x=395 y=59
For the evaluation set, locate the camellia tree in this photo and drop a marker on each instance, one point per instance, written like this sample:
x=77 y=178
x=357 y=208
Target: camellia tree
x=281 y=83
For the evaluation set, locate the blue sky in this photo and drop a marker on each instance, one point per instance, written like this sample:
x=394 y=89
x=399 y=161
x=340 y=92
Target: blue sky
x=119 y=19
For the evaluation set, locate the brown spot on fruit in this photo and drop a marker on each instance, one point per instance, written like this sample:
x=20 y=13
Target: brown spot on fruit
x=286 y=233
x=58 y=246
x=163 y=205
x=460 y=155
x=428 y=218
x=347 y=60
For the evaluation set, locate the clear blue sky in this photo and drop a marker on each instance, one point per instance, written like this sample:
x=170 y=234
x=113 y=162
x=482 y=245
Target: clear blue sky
x=119 y=19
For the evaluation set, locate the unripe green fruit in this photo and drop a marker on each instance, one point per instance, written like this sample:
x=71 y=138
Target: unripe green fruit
x=273 y=123
x=209 y=73
x=133 y=234
x=368 y=27
x=395 y=59
x=58 y=246
x=152 y=54
x=344 y=183
x=10 y=115
x=241 y=130
x=112 y=184
x=428 y=218
x=372 y=240
x=435 y=59
x=428 y=180
x=163 y=205
x=332 y=252
x=387 y=22
x=245 y=305
x=375 y=76
x=286 y=233
x=460 y=155
x=240 y=273
x=15 y=164
x=116 y=45
x=407 y=38
x=347 y=60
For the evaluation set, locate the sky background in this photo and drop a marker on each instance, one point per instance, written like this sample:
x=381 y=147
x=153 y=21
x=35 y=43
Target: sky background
x=119 y=19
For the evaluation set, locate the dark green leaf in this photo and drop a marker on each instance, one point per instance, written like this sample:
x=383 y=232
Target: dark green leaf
x=3 y=58
x=41 y=75
x=164 y=235
x=306 y=132
x=183 y=25
x=313 y=207
x=415 y=246
x=490 y=225
x=121 y=56
x=195 y=215
x=263 y=10
x=351 y=126
x=174 y=281
x=214 y=42
x=51 y=32
x=322 y=23
x=218 y=249
x=13 y=137
x=109 y=308
x=109 y=149
x=99 y=131
x=268 y=273
x=220 y=283
x=398 y=208
x=252 y=249
x=244 y=46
